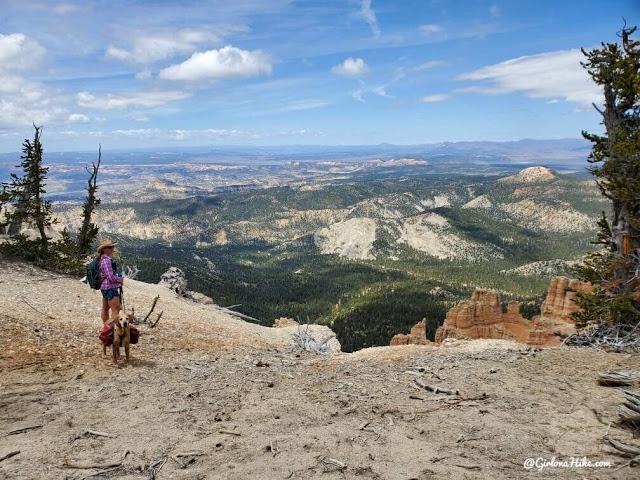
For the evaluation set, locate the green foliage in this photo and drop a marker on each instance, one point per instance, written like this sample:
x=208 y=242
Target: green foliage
x=26 y=194
x=616 y=159
x=375 y=318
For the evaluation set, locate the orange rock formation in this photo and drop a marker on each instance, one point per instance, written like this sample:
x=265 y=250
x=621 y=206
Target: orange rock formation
x=418 y=335
x=482 y=317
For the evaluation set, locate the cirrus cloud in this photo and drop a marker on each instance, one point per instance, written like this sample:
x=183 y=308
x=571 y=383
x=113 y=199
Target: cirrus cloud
x=438 y=97
x=351 y=67
x=227 y=62
x=547 y=75
x=369 y=16
x=130 y=99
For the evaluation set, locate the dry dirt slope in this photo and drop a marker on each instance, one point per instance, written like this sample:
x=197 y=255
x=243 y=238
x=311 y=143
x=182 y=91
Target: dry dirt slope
x=201 y=374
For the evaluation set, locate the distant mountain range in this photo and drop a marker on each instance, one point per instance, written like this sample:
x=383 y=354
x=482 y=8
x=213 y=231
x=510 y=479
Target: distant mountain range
x=371 y=253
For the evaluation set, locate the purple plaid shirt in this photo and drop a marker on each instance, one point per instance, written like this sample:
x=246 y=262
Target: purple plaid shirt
x=109 y=278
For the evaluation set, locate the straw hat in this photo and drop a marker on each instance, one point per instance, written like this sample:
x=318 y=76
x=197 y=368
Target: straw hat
x=106 y=243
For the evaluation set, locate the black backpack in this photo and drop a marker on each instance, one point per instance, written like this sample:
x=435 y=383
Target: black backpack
x=94 y=277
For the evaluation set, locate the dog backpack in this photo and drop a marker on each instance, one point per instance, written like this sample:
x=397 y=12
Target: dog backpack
x=94 y=279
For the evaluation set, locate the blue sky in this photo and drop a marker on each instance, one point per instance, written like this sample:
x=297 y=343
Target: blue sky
x=131 y=74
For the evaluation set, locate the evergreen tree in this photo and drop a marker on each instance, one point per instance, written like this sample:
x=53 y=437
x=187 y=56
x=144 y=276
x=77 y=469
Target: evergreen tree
x=615 y=157
x=27 y=192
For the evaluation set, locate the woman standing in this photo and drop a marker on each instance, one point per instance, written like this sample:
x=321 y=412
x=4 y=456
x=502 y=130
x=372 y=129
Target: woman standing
x=111 y=282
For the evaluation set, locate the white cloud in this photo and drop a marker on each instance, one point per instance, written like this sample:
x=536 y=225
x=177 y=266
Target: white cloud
x=369 y=16
x=547 y=75
x=438 y=97
x=430 y=28
x=19 y=52
x=494 y=11
x=137 y=132
x=226 y=62
x=382 y=92
x=351 y=67
x=78 y=118
x=23 y=101
x=150 y=47
x=130 y=99
x=357 y=95
x=427 y=65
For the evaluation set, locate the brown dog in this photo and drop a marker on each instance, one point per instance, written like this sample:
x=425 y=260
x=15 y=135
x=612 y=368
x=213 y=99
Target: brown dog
x=122 y=336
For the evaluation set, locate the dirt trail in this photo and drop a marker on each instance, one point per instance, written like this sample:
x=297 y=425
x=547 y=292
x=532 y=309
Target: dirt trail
x=203 y=382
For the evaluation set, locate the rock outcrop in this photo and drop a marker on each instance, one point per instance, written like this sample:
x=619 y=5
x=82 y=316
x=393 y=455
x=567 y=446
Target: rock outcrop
x=560 y=301
x=284 y=322
x=201 y=298
x=482 y=317
x=418 y=335
x=175 y=280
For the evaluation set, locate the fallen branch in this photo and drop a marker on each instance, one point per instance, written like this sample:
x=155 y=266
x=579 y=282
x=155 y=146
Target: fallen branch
x=9 y=455
x=435 y=389
x=618 y=338
x=155 y=467
x=87 y=466
x=157 y=320
x=24 y=429
x=236 y=314
x=99 y=434
x=332 y=462
x=230 y=432
x=100 y=472
x=190 y=454
x=153 y=305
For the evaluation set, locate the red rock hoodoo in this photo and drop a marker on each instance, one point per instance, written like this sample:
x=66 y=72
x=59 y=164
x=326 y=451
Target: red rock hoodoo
x=418 y=335
x=482 y=317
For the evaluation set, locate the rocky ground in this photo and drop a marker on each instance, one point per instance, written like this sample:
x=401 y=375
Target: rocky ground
x=209 y=396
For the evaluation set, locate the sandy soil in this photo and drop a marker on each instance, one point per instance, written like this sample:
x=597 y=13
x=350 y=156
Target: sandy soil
x=236 y=396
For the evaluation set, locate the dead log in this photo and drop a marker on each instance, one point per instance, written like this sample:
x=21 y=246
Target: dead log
x=618 y=379
x=622 y=447
x=628 y=415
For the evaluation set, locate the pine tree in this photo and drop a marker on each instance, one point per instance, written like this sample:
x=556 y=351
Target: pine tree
x=615 y=157
x=27 y=192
